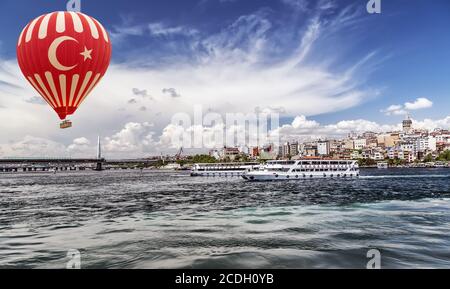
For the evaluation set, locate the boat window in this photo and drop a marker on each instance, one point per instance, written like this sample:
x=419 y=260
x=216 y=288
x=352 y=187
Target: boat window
x=278 y=170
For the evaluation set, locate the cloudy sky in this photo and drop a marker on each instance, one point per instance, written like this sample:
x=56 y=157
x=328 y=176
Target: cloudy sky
x=327 y=67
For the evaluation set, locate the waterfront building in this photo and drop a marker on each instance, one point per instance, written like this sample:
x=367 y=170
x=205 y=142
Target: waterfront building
x=442 y=138
x=360 y=144
x=388 y=140
x=343 y=154
x=310 y=150
x=217 y=154
x=377 y=155
x=410 y=147
x=231 y=153
x=254 y=152
x=227 y=153
x=369 y=135
x=336 y=145
x=426 y=143
x=268 y=152
x=372 y=142
x=286 y=150
x=356 y=155
x=366 y=154
x=370 y=153
x=349 y=144
x=293 y=149
x=323 y=148
x=393 y=153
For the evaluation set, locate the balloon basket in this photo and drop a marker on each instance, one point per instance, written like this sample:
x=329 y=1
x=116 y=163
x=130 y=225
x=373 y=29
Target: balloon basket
x=65 y=124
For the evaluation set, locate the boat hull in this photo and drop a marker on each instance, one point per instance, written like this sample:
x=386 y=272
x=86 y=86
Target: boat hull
x=217 y=173
x=264 y=176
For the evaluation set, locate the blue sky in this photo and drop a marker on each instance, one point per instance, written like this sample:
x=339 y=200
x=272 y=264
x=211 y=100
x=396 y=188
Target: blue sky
x=366 y=62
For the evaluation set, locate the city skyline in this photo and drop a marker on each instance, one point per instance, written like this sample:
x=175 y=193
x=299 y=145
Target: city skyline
x=405 y=144
x=306 y=60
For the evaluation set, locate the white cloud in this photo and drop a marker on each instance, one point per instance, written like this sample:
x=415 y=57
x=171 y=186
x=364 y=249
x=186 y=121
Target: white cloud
x=303 y=129
x=300 y=122
x=419 y=103
x=120 y=32
x=160 y=29
x=81 y=147
x=134 y=140
x=31 y=146
x=82 y=141
x=432 y=123
x=156 y=29
x=395 y=110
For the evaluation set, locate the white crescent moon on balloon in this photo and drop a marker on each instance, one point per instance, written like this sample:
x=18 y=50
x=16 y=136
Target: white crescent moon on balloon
x=52 y=53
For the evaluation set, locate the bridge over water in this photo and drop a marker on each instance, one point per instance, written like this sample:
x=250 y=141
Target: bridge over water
x=65 y=164
x=70 y=164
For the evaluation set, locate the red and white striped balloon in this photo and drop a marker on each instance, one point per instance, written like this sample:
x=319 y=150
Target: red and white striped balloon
x=64 y=55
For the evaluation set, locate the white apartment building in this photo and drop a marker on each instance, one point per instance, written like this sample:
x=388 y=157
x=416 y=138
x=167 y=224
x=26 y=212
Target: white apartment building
x=356 y=155
x=443 y=138
x=401 y=154
x=409 y=146
x=377 y=155
x=294 y=149
x=349 y=144
x=286 y=150
x=426 y=144
x=359 y=144
x=323 y=148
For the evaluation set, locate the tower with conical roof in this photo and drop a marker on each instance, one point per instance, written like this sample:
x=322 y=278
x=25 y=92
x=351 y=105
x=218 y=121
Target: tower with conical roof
x=407 y=124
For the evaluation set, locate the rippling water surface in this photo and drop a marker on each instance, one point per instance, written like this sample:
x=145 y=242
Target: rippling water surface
x=151 y=219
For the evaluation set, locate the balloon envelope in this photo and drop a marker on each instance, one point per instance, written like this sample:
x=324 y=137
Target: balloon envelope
x=64 y=55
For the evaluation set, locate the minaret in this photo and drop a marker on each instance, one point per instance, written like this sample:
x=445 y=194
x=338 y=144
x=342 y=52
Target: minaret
x=99 y=149
x=99 y=166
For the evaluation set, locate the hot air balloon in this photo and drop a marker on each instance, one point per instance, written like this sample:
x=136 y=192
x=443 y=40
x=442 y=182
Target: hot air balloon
x=64 y=55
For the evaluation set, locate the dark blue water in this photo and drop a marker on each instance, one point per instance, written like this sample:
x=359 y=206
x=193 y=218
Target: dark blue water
x=132 y=219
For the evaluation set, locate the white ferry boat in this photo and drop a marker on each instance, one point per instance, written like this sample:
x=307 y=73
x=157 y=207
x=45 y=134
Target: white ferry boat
x=440 y=165
x=222 y=169
x=382 y=165
x=304 y=169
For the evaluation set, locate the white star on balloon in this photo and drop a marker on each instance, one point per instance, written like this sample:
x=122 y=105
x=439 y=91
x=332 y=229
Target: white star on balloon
x=86 y=53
